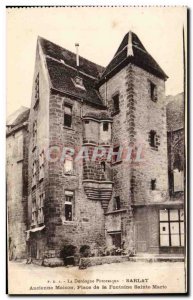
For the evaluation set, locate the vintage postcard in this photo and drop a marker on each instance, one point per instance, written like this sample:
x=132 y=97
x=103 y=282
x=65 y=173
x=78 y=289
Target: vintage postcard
x=96 y=150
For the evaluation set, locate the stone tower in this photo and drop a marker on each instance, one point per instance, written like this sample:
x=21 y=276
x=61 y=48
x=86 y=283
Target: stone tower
x=133 y=87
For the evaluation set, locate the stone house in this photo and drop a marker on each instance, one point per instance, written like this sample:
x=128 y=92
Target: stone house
x=97 y=155
x=176 y=158
x=17 y=181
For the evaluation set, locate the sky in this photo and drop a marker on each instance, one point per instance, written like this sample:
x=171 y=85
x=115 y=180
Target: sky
x=99 y=31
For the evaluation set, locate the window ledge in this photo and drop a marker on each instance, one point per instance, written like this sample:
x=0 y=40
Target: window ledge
x=69 y=174
x=116 y=163
x=68 y=223
x=20 y=160
x=116 y=211
x=154 y=148
x=69 y=128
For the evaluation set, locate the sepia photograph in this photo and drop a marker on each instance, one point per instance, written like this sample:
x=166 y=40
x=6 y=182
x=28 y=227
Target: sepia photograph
x=96 y=150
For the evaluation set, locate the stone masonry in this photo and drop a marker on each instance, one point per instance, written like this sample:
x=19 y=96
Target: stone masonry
x=109 y=202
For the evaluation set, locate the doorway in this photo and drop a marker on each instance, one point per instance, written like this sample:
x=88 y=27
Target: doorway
x=116 y=239
x=140 y=237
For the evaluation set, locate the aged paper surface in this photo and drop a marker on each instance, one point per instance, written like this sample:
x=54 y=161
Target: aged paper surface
x=96 y=150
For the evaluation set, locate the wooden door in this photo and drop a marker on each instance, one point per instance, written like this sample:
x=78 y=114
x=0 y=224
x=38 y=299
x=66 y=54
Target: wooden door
x=140 y=237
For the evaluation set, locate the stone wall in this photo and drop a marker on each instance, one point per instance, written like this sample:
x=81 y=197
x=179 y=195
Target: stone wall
x=149 y=116
x=138 y=115
x=176 y=159
x=38 y=113
x=16 y=181
x=87 y=226
x=122 y=134
x=120 y=171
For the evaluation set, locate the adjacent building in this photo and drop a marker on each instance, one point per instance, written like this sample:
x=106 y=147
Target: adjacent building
x=17 y=181
x=99 y=171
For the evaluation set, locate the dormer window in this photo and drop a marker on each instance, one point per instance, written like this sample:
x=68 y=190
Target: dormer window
x=78 y=82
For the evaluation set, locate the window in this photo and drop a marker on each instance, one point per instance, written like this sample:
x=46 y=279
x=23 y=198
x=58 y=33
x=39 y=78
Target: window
x=86 y=121
x=105 y=126
x=34 y=213
x=68 y=116
x=116 y=103
x=78 y=83
x=41 y=166
x=116 y=155
x=34 y=135
x=36 y=96
x=34 y=171
x=153 y=91
x=153 y=184
x=68 y=204
x=171 y=228
x=40 y=211
x=68 y=165
x=103 y=166
x=178 y=180
x=116 y=240
x=178 y=162
x=117 y=203
x=34 y=218
x=152 y=138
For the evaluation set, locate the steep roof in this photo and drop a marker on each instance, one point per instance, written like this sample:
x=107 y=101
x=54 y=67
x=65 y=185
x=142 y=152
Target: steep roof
x=61 y=65
x=12 y=118
x=175 y=112
x=17 y=120
x=19 y=116
x=22 y=118
x=131 y=50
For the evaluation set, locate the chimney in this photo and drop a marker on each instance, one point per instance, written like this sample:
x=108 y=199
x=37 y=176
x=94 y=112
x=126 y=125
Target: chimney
x=130 y=46
x=78 y=81
x=77 y=55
